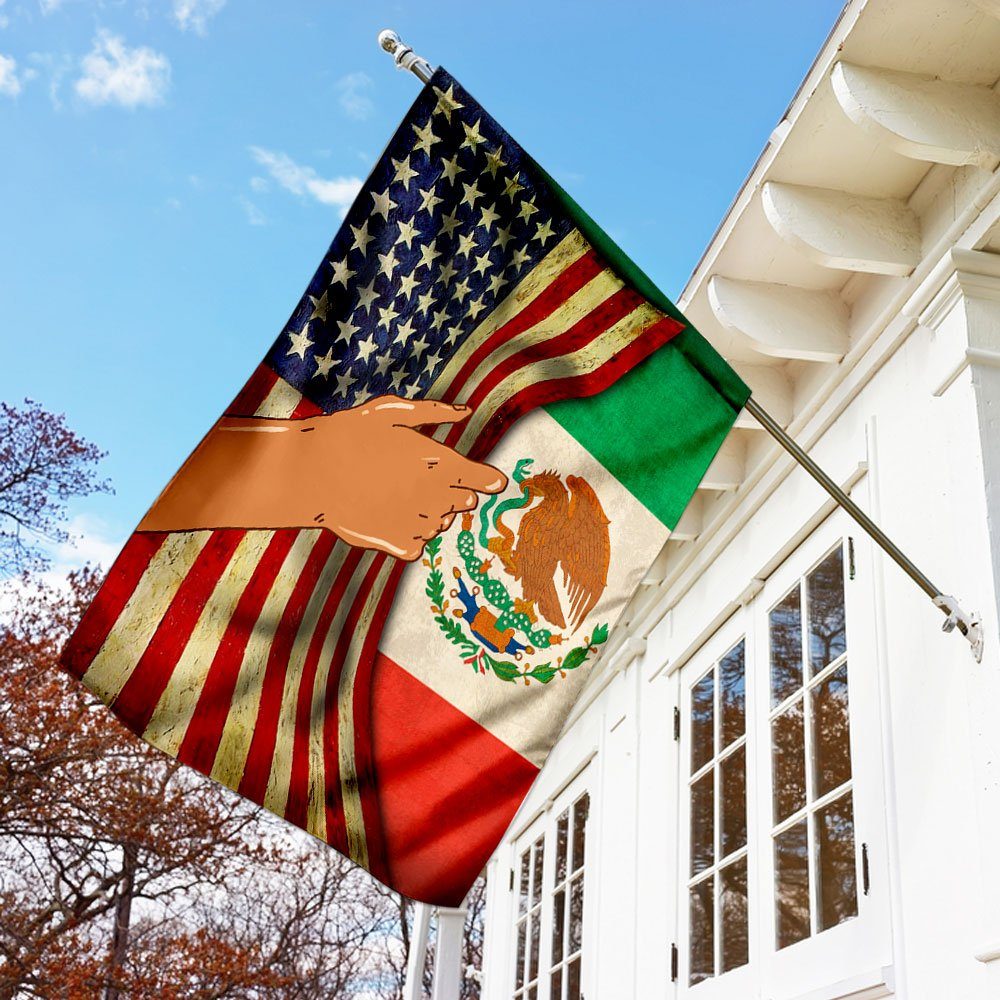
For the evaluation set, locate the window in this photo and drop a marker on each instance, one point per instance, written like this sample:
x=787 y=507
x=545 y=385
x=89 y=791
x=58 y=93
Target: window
x=777 y=820
x=550 y=896
x=717 y=890
x=815 y=886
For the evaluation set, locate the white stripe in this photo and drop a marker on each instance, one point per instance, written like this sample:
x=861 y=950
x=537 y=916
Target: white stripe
x=280 y=402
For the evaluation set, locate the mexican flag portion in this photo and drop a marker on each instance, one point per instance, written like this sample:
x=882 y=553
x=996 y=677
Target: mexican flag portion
x=496 y=632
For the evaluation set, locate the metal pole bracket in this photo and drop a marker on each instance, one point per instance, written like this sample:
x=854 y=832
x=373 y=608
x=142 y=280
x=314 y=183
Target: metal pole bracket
x=970 y=625
x=404 y=57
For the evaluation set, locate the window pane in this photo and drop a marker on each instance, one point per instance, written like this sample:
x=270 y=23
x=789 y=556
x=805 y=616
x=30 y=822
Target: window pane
x=533 y=993
x=703 y=823
x=573 y=981
x=825 y=593
x=835 y=871
x=702 y=722
x=702 y=923
x=831 y=733
x=533 y=953
x=788 y=751
x=536 y=880
x=519 y=971
x=555 y=990
x=581 y=809
x=791 y=898
x=734 y=801
x=558 y=923
x=562 y=834
x=576 y=915
x=733 y=908
x=732 y=692
x=786 y=647
x=522 y=906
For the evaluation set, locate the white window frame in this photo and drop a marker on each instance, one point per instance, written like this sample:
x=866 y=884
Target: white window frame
x=546 y=825
x=858 y=945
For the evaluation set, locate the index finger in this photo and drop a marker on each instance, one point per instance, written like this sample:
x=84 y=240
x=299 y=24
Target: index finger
x=478 y=476
x=421 y=412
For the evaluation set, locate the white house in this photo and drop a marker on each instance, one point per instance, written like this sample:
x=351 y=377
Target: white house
x=784 y=781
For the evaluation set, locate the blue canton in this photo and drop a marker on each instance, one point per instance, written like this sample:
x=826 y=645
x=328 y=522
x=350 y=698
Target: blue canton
x=451 y=219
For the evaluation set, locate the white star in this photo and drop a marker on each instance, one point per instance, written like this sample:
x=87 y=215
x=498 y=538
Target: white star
x=446 y=102
x=465 y=244
x=386 y=315
x=344 y=383
x=418 y=347
x=449 y=223
x=527 y=208
x=341 y=272
x=504 y=236
x=366 y=296
x=440 y=315
x=325 y=363
x=426 y=137
x=518 y=258
x=461 y=291
x=407 y=283
x=428 y=199
x=404 y=172
x=494 y=162
x=361 y=238
x=472 y=135
x=482 y=263
x=472 y=192
x=383 y=204
x=321 y=307
x=347 y=329
x=451 y=169
x=382 y=365
x=543 y=232
x=300 y=342
x=366 y=347
x=454 y=332
x=475 y=307
x=446 y=273
x=512 y=188
x=497 y=282
x=388 y=263
x=428 y=255
x=487 y=216
x=424 y=302
x=404 y=330
x=396 y=378
x=408 y=232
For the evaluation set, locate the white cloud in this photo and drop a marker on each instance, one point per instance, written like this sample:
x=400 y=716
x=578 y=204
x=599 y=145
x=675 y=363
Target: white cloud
x=259 y=184
x=10 y=83
x=49 y=6
x=254 y=215
x=352 y=91
x=194 y=15
x=115 y=74
x=336 y=191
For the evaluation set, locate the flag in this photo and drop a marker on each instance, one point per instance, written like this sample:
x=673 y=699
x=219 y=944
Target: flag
x=243 y=633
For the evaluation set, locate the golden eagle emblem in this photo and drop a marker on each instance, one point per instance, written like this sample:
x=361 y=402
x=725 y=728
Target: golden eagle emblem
x=552 y=542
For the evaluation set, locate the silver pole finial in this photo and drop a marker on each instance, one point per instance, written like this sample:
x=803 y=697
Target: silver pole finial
x=404 y=56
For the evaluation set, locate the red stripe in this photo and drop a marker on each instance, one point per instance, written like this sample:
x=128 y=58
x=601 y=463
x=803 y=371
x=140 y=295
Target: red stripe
x=297 y=806
x=563 y=286
x=336 y=827
x=201 y=741
x=306 y=408
x=253 y=393
x=364 y=760
x=107 y=606
x=601 y=318
x=447 y=787
x=576 y=386
x=260 y=756
x=142 y=691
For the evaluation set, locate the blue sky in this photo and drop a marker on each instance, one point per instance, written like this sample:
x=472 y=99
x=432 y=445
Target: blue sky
x=173 y=171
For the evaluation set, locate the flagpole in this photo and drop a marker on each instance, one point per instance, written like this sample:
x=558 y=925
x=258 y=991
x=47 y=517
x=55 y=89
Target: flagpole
x=968 y=624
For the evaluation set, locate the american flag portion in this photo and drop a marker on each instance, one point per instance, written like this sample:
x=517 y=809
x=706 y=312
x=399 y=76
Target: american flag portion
x=458 y=274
